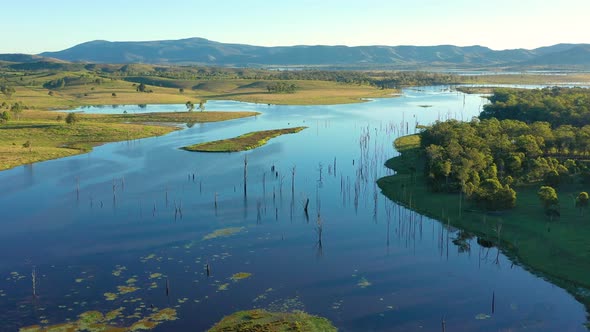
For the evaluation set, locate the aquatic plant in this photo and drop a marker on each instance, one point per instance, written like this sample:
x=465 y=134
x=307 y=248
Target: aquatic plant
x=240 y=276
x=95 y=321
x=224 y=232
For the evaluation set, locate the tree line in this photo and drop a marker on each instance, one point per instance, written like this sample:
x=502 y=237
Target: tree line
x=382 y=79
x=558 y=106
x=486 y=157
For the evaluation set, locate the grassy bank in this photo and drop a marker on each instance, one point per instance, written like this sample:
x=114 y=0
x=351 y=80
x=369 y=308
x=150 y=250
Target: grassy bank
x=526 y=78
x=244 y=142
x=262 y=320
x=30 y=91
x=39 y=136
x=558 y=250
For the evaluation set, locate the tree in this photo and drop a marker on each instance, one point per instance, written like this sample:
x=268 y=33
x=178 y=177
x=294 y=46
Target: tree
x=4 y=117
x=113 y=94
x=28 y=145
x=141 y=87
x=8 y=91
x=552 y=179
x=17 y=109
x=202 y=105
x=582 y=201
x=181 y=90
x=550 y=201
x=71 y=118
x=190 y=106
x=491 y=195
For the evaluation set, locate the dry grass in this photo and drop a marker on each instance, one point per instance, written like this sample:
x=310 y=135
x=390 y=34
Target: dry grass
x=528 y=79
x=308 y=93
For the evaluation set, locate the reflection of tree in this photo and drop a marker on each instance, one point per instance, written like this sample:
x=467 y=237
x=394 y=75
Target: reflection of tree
x=202 y=105
x=462 y=241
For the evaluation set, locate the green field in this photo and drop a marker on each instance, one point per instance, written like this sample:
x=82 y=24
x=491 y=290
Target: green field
x=558 y=250
x=244 y=142
x=49 y=138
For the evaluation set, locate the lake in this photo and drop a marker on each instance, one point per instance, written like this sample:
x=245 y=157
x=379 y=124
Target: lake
x=134 y=225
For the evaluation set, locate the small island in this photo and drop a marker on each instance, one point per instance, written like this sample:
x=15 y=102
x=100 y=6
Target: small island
x=262 y=320
x=244 y=142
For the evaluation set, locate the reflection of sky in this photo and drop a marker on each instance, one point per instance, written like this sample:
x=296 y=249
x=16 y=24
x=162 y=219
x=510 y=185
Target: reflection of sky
x=44 y=223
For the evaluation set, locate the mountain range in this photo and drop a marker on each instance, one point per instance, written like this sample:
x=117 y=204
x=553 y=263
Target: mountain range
x=205 y=52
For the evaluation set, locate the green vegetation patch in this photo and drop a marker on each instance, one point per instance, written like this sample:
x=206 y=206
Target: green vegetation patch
x=224 y=232
x=95 y=321
x=244 y=142
x=262 y=320
x=240 y=276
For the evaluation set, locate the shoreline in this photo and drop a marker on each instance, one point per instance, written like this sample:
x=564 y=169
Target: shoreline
x=543 y=254
x=38 y=136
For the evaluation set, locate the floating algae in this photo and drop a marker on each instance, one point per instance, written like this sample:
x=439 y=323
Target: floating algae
x=118 y=270
x=126 y=289
x=262 y=320
x=363 y=283
x=147 y=258
x=223 y=287
x=482 y=317
x=95 y=321
x=287 y=305
x=224 y=232
x=155 y=275
x=111 y=315
x=240 y=276
x=110 y=296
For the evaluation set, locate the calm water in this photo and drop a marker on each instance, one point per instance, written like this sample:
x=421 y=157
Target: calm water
x=139 y=213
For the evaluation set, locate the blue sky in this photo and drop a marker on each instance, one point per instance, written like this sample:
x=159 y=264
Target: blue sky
x=44 y=25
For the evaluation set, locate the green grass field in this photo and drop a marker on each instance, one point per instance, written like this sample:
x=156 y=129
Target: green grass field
x=51 y=139
x=558 y=250
x=244 y=142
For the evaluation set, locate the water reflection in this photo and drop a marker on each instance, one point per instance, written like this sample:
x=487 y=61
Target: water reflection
x=145 y=226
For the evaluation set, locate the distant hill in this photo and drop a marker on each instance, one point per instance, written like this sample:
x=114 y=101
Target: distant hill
x=577 y=55
x=24 y=58
x=206 y=52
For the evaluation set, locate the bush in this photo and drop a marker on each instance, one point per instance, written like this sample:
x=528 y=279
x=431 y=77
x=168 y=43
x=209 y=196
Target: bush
x=72 y=118
x=4 y=117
